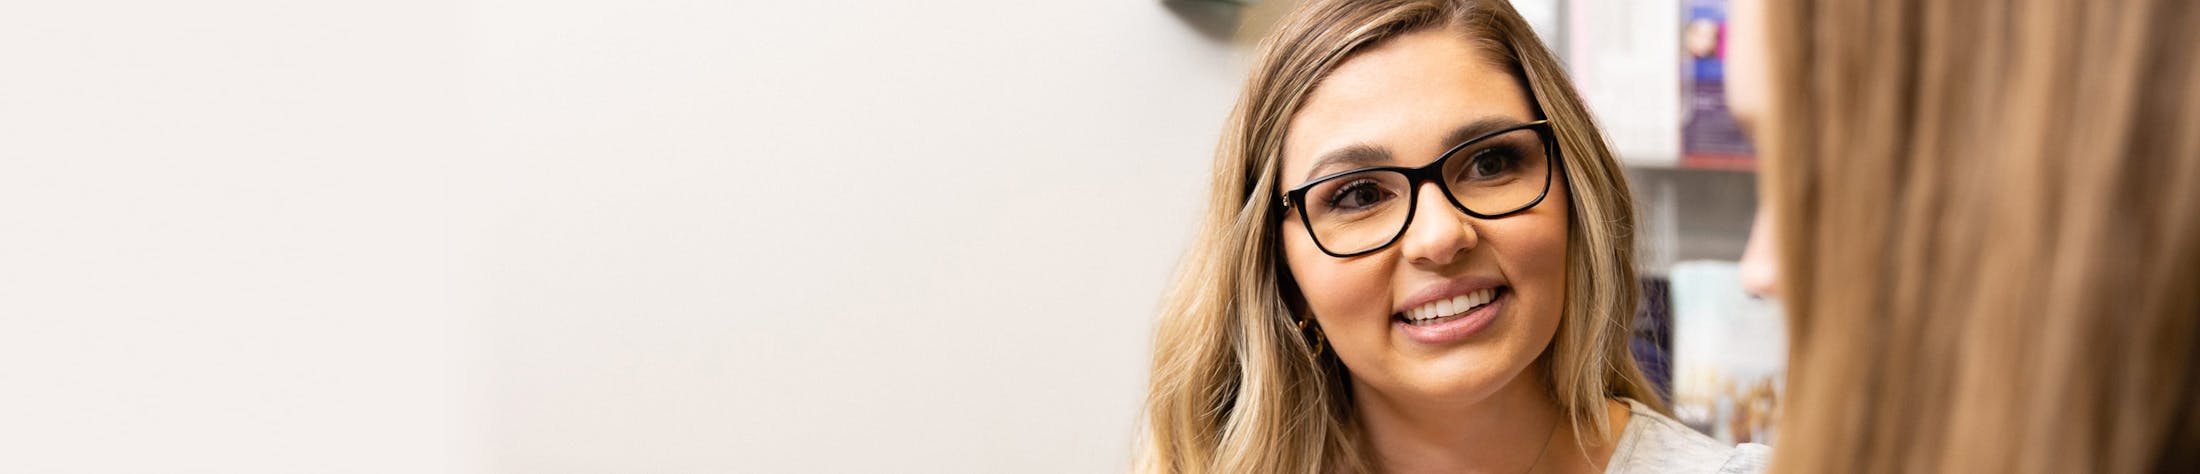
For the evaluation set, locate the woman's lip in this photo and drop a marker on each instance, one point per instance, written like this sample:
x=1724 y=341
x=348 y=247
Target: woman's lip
x=1446 y=290
x=1465 y=326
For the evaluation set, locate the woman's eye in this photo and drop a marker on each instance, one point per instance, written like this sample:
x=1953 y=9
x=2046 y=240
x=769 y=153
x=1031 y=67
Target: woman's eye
x=1357 y=195
x=1492 y=163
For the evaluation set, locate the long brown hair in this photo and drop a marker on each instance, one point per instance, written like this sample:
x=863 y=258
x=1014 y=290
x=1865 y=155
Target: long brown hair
x=1989 y=216
x=1235 y=387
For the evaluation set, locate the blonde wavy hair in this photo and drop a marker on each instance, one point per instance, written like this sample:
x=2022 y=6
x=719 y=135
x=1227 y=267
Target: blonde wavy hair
x=1235 y=385
x=1989 y=225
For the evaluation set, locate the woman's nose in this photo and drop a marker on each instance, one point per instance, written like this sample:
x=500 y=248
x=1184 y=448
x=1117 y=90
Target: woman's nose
x=1760 y=270
x=1438 y=233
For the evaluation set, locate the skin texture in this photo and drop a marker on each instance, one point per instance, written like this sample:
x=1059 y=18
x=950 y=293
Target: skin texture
x=1474 y=405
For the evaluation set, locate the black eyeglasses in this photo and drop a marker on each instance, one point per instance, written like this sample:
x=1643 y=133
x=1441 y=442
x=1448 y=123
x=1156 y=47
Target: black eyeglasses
x=1494 y=175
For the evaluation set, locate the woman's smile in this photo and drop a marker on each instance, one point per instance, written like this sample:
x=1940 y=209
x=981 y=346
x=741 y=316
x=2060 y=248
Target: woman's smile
x=1452 y=311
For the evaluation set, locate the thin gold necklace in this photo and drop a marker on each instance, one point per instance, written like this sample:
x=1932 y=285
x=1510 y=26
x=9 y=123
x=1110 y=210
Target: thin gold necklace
x=1547 y=434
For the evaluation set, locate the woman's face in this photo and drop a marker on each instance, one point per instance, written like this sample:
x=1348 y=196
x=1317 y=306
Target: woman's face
x=1403 y=103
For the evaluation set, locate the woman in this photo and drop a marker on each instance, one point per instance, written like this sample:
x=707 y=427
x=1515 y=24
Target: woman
x=1986 y=222
x=1417 y=257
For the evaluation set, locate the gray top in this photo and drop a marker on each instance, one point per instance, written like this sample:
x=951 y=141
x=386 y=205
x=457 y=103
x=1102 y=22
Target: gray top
x=1652 y=443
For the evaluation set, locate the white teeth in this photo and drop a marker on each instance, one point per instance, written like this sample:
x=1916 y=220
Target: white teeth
x=1452 y=306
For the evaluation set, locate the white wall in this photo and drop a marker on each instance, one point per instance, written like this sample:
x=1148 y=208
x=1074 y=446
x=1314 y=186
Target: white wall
x=590 y=236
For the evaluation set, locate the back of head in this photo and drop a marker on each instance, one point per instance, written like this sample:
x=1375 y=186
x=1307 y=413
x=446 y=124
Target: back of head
x=1991 y=224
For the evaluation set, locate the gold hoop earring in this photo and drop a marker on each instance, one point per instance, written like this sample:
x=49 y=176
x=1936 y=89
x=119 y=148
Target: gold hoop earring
x=1318 y=340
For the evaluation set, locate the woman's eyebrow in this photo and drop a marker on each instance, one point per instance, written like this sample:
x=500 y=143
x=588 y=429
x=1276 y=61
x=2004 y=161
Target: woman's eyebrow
x=1477 y=129
x=1362 y=155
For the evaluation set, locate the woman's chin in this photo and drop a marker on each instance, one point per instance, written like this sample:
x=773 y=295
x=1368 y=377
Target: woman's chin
x=1459 y=376
x=1443 y=386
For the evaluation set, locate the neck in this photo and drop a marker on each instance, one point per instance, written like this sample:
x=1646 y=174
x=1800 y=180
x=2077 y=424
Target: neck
x=1504 y=433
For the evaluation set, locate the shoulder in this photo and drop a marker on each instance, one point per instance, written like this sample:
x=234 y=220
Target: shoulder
x=1654 y=443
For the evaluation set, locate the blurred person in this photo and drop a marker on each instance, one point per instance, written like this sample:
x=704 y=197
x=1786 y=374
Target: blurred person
x=1983 y=219
x=1417 y=256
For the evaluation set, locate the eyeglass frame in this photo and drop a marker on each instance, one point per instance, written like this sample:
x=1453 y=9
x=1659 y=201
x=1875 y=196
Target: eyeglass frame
x=1434 y=171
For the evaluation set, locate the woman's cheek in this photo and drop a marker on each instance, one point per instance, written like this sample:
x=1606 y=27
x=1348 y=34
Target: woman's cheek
x=1537 y=248
x=1347 y=295
x=1350 y=300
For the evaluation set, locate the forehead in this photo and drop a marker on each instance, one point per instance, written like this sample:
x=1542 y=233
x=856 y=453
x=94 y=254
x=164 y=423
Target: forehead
x=1403 y=95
